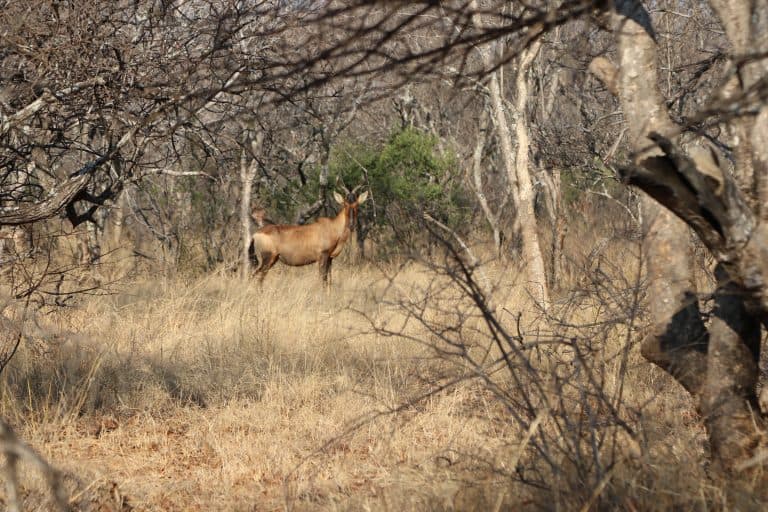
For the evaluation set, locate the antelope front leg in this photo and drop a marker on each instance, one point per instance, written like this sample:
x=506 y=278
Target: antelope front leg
x=325 y=266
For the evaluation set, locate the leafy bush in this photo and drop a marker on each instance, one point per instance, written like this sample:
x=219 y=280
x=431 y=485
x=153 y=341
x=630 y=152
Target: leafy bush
x=407 y=176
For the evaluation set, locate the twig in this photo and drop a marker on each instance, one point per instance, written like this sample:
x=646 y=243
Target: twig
x=14 y=450
x=20 y=336
x=472 y=259
x=599 y=489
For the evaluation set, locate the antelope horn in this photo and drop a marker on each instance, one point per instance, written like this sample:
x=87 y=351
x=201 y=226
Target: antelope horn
x=354 y=190
x=340 y=183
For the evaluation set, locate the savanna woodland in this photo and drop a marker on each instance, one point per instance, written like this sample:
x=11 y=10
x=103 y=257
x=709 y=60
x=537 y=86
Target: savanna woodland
x=548 y=223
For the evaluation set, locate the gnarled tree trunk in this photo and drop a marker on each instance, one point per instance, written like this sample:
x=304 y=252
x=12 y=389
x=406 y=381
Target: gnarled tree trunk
x=718 y=365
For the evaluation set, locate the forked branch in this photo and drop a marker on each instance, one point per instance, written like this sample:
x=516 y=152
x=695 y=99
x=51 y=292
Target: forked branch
x=705 y=196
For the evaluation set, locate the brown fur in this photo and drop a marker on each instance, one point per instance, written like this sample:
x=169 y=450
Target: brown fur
x=296 y=245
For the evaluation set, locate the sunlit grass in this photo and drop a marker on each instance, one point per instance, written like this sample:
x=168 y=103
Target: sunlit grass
x=213 y=394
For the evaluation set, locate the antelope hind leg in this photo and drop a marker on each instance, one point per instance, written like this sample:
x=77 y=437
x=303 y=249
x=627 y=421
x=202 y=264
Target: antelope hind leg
x=267 y=262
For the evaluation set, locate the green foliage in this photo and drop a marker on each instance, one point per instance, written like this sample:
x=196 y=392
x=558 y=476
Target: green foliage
x=406 y=176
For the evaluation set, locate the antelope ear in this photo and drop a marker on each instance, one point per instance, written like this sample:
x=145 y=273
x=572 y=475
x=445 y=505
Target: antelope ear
x=338 y=198
x=362 y=198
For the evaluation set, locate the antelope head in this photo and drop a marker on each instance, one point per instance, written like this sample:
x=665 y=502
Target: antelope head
x=350 y=202
x=259 y=216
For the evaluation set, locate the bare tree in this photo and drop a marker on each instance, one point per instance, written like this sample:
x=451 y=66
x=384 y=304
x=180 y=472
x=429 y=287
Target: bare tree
x=492 y=212
x=517 y=164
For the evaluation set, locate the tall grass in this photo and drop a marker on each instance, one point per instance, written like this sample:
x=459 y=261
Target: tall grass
x=388 y=393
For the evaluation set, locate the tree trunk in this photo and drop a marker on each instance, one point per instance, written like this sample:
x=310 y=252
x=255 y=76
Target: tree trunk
x=734 y=15
x=729 y=396
x=529 y=227
x=247 y=174
x=518 y=173
x=718 y=367
x=677 y=340
x=553 y=199
x=477 y=165
x=748 y=34
x=760 y=143
x=760 y=128
x=677 y=334
x=517 y=165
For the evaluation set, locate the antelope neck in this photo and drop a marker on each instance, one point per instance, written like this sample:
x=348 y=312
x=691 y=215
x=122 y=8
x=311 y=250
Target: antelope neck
x=343 y=216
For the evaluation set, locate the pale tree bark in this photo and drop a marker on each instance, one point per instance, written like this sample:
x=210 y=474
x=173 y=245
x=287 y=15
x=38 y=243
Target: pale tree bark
x=673 y=306
x=760 y=143
x=519 y=177
x=548 y=79
x=732 y=374
x=517 y=164
x=734 y=15
x=520 y=173
x=248 y=169
x=493 y=218
x=746 y=25
x=718 y=366
x=760 y=131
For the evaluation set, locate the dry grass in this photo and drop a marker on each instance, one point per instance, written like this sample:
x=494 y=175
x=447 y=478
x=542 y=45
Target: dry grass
x=207 y=394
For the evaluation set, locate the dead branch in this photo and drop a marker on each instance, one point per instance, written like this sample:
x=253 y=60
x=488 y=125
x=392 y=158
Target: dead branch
x=15 y=450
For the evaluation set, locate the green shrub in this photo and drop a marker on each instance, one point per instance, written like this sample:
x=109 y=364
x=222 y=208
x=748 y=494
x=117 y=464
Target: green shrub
x=407 y=176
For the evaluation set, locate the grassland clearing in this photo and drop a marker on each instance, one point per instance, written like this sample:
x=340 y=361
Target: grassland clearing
x=209 y=394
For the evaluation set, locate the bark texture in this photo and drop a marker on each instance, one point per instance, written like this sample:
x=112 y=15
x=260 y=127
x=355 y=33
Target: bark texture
x=729 y=397
x=518 y=173
x=57 y=201
x=517 y=165
x=719 y=365
x=537 y=275
x=677 y=339
x=735 y=16
x=248 y=171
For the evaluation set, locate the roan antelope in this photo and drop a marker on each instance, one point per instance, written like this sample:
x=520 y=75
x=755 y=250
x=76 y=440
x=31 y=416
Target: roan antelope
x=318 y=242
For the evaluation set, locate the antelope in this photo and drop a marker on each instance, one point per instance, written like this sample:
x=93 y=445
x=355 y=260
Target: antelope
x=297 y=246
x=259 y=218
